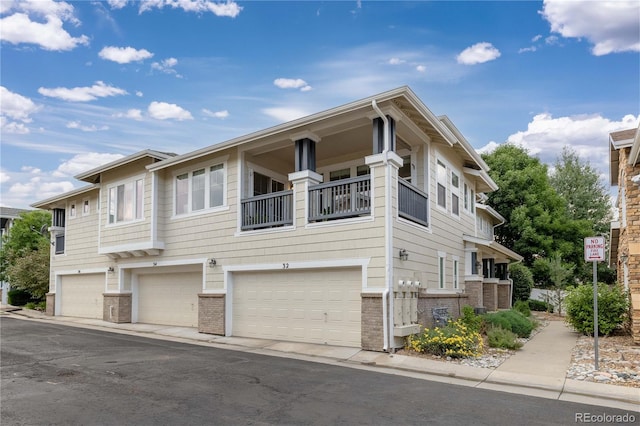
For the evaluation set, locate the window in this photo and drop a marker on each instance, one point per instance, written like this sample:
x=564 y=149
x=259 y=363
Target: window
x=200 y=189
x=72 y=210
x=339 y=174
x=58 y=218
x=362 y=170
x=455 y=194
x=126 y=202
x=472 y=201
x=441 y=265
x=456 y=278
x=466 y=197
x=59 y=244
x=263 y=184
x=405 y=171
x=86 y=208
x=442 y=185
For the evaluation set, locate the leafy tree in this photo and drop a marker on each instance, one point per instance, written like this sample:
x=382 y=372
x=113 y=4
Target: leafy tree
x=580 y=185
x=559 y=275
x=24 y=257
x=537 y=220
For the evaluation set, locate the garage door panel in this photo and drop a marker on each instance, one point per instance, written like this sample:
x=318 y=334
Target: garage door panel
x=317 y=306
x=81 y=295
x=169 y=299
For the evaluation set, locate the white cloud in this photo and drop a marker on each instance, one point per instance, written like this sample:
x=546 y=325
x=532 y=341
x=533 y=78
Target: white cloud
x=611 y=26
x=478 y=54
x=588 y=135
x=82 y=94
x=139 y=94
x=31 y=169
x=285 y=114
x=83 y=162
x=4 y=177
x=124 y=55
x=528 y=49
x=292 y=83
x=536 y=38
x=79 y=126
x=218 y=114
x=14 y=106
x=166 y=66
x=117 y=4
x=166 y=111
x=396 y=61
x=134 y=114
x=19 y=27
x=421 y=68
x=228 y=8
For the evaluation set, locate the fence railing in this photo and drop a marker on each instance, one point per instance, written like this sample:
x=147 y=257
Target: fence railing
x=268 y=210
x=413 y=204
x=340 y=199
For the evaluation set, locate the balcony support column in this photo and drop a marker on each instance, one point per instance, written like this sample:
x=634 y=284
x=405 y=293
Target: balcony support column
x=301 y=180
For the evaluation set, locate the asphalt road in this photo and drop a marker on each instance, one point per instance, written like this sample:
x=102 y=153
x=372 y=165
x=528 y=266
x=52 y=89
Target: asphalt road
x=54 y=374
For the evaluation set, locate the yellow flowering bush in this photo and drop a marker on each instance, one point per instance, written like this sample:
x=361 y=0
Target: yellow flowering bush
x=455 y=340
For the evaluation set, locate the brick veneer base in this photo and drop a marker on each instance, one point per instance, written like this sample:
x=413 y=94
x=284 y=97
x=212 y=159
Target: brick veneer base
x=211 y=313
x=51 y=304
x=372 y=336
x=426 y=302
x=116 y=307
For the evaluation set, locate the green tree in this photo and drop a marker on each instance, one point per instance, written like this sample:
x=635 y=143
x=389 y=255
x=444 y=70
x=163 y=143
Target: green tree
x=522 y=282
x=559 y=274
x=586 y=195
x=24 y=257
x=537 y=220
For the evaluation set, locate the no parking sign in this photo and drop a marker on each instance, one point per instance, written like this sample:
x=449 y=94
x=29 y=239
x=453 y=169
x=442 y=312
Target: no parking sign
x=594 y=252
x=594 y=249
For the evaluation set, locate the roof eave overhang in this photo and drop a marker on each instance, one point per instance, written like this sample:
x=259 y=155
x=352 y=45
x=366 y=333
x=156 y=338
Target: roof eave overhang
x=92 y=175
x=55 y=201
x=494 y=245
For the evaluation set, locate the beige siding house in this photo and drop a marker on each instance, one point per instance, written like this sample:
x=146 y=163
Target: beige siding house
x=625 y=232
x=347 y=227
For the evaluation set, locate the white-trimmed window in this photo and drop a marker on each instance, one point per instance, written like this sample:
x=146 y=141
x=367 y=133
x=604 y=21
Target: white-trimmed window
x=455 y=194
x=442 y=184
x=72 y=210
x=86 y=207
x=126 y=201
x=442 y=258
x=456 y=273
x=199 y=190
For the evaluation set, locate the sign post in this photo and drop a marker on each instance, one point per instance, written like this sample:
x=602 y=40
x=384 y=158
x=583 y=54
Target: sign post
x=594 y=252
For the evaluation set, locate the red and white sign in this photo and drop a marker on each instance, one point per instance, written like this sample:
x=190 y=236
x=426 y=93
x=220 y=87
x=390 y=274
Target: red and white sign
x=594 y=249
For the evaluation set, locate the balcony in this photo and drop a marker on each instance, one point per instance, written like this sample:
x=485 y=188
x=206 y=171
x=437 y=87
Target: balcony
x=413 y=204
x=340 y=199
x=267 y=211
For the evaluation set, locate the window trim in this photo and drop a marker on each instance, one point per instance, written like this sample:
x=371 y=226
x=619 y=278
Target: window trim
x=442 y=274
x=206 y=166
x=73 y=210
x=455 y=276
x=440 y=163
x=86 y=202
x=132 y=180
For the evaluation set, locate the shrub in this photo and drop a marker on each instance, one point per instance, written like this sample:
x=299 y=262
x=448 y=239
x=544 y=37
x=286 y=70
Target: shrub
x=38 y=306
x=511 y=320
x=470 y=319
x=18 y=297
x=523 y=307
x=498 y=337
x=540 y=306
x=613 y=305
x=522 y=281
x=455 y=340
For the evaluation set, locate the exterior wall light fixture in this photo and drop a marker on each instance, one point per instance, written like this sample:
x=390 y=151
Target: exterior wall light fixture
x=403 y=254
x=212 y=263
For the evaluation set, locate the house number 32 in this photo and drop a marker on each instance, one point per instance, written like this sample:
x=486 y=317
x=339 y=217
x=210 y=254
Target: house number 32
x=285 y=266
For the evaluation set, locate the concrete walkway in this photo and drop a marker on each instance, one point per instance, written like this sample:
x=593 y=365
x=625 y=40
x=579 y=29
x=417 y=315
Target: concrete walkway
x=538 y=369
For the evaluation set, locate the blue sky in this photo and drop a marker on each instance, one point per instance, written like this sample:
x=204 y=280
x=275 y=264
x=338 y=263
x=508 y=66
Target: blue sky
x=86 y=82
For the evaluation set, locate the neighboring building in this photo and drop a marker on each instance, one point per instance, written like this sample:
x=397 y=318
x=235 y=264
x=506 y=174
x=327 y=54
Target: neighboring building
x=346 y=227
x=7 y=217
x=625 y=232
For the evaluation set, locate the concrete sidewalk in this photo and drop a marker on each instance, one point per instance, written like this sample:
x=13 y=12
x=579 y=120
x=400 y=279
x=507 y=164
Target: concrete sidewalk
x=538 y=369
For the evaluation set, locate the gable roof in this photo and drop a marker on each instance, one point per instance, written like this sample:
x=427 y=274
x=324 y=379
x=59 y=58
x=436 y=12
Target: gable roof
x=10 y=212
x=57 y=200
x=93 y=175
x=400 y=100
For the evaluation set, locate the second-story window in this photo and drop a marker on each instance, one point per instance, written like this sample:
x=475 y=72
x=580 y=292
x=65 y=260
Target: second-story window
x=199 y=189
x=126 y=202
x=455 y=194
x=442 y=185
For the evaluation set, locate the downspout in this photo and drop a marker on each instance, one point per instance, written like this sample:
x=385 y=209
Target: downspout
x=388 y=318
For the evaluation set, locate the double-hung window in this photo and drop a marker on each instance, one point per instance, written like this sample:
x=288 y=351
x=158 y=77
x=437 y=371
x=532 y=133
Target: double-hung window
x=126 y=201
x=199 y=190
x=455 y=194
x=442 y=185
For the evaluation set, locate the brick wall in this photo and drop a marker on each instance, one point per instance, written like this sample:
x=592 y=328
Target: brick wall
x=426 y=302
x=473 y=290
x=117 y=307
x=372 y=335
x=490 y=296
x=504 y=295
x=211 y=313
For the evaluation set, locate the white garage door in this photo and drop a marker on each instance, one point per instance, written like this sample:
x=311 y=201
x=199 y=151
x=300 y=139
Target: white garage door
x=81 y=295
x=169 y=299
x=314 y=306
